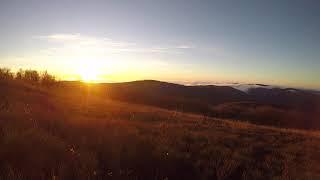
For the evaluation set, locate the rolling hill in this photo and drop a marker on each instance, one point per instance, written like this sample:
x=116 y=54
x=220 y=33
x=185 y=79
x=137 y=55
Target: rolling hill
x=259 y=105
x=75 y=131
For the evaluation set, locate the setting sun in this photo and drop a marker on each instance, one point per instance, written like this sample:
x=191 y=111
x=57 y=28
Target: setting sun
x=89 y=75
x=89 y=72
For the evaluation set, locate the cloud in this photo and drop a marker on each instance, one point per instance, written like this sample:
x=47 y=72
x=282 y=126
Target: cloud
x=63 y=37
x=74 y=51
x=91 y=44
x=84 y=43
x=185 y=47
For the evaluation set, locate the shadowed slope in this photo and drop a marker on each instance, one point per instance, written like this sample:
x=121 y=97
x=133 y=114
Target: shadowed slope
x=174 y=96
x=291 y=108
x=76 y=132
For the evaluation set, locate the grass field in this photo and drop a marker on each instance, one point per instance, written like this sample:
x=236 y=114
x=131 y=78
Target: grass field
x=74 y=131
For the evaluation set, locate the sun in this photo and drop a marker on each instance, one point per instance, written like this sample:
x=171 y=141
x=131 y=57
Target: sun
x=89 y=73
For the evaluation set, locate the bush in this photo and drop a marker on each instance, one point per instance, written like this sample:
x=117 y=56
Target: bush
x=6 y=74
x=31 y=76
x=47 y=79
x=20 y=74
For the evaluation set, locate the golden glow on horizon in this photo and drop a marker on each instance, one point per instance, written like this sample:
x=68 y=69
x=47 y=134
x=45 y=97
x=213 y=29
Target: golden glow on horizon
x=75 y=57
x=89 y=75
x=89 y=71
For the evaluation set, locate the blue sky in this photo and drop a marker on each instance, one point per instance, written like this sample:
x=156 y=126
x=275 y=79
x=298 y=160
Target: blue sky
x=274 y=42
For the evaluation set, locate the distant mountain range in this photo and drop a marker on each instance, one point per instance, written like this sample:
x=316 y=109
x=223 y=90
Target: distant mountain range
x=246 y=87
x=148 y=91
x=258 y=103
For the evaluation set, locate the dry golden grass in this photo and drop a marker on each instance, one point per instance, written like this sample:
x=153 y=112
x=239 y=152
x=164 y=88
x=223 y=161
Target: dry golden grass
x=76 y=132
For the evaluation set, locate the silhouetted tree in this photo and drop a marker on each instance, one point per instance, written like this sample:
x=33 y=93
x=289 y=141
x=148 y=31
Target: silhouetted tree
x=6 y=74
x=31 y=76
x=47 y=79
x=20 y=74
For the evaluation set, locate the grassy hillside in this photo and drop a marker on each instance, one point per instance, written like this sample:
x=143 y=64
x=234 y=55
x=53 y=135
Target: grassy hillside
x=73 y=131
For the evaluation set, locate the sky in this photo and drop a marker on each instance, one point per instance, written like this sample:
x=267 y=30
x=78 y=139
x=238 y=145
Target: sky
x=188 y=41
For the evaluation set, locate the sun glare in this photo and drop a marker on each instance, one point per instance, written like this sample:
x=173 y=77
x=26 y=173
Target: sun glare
x=89 y=73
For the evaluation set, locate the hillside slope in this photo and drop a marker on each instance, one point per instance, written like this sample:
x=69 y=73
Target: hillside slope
x=174 y=96
x=289 y=108
x=76 y=132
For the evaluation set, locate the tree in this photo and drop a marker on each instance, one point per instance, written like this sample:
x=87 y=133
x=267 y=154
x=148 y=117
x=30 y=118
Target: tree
x=47 y=79
x=6 y=74
x=20 y=74
x=31 y=76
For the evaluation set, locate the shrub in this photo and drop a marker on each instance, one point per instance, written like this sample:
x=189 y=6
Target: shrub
x=6 y=74
x=31 y=76
x=47 y=79
x=20 y=74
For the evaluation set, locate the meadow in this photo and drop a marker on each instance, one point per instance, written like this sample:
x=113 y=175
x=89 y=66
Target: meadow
x=74 y=130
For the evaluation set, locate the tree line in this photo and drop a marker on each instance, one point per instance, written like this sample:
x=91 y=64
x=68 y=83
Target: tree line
x=30 y=76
